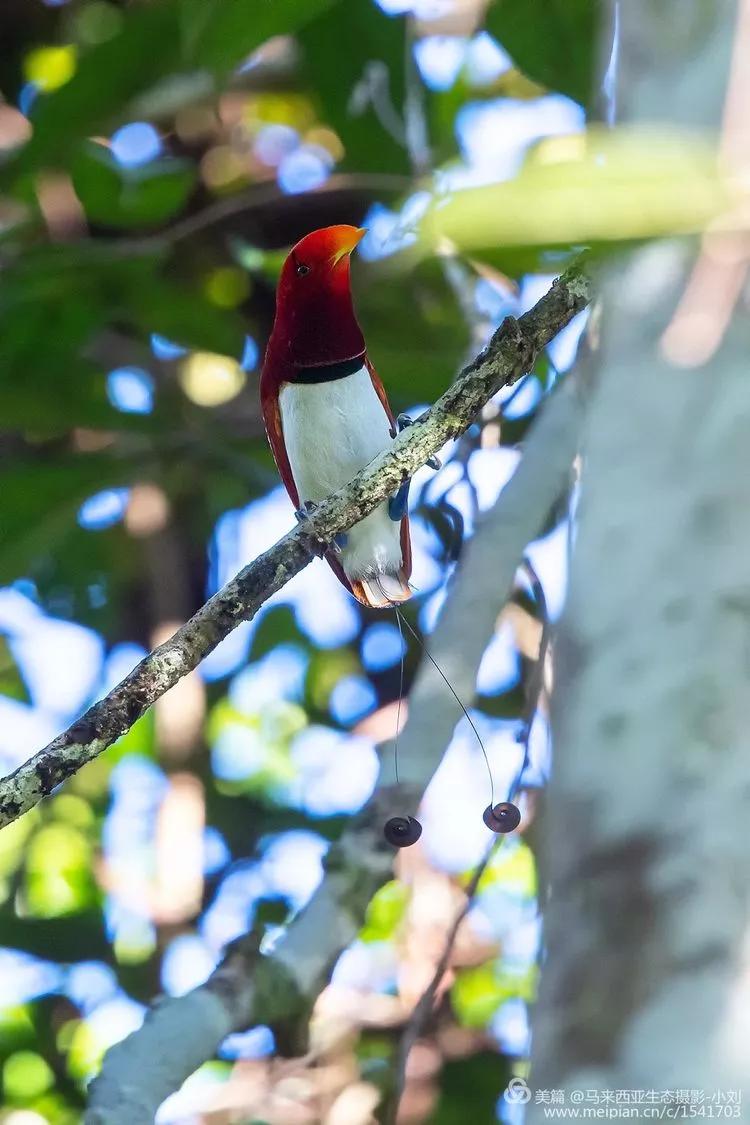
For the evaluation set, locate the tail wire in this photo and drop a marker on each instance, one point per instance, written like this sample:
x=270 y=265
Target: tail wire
x=402 y=621
x=400 y=695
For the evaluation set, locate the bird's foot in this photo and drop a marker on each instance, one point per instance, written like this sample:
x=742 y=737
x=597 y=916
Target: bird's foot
x=302 y=516
x=398 y=504
x=308 y=509
x=402 y=423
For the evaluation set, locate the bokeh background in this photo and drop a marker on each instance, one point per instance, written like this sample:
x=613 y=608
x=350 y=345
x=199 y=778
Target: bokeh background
x=156 y=160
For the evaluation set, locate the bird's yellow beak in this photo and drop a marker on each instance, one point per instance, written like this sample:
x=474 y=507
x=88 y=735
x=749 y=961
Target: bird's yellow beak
x=347 y=239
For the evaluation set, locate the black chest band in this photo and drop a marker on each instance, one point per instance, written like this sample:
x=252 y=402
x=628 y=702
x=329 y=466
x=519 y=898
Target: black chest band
x=328 y=372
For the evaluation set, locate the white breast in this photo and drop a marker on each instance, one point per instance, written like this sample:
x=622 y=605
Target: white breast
x=331 y=431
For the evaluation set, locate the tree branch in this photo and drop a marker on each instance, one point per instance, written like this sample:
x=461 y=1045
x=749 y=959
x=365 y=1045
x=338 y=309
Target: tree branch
x=279 y=990
x=509 y=354
x=263 y=197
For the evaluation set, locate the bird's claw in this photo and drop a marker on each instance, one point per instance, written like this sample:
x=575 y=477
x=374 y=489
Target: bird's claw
x=308 y=509
x=302 y=516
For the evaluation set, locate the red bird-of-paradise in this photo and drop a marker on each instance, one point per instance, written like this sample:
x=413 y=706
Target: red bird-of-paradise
x=327 y=414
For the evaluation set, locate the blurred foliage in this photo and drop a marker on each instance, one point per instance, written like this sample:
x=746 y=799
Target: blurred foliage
x=11 y=680
x=385 y=912
x=352 y=47
x=473 y=1083
x=129 y=198
x=152 y=255
x=554 y=44
x=513 y=868
x=597 y=189
x=478 y=993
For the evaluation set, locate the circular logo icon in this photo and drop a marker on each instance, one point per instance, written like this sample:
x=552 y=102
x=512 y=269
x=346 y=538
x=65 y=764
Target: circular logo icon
x=517 y=1092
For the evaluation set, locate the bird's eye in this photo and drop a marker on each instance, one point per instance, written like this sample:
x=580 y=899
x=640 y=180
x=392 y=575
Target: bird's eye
x=302 y=269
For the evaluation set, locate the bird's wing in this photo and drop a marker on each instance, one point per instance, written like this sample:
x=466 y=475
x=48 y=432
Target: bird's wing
x=405 y=533
x=406 y=547
x=380 y=391
x=272 y=420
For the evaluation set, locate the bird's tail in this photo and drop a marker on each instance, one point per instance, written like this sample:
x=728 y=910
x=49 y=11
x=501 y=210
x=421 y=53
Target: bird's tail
x=382 y=590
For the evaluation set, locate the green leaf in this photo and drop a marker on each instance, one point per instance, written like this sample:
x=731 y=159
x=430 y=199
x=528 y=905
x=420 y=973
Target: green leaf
x=59 y=872
x=415 y=331
x=513 y=869
x=385 y=912
x=477 y=993
x=355 y=57
x=72 y=937
x=40 y=500
x=470 y=1088
x=219 y=34
x=11 y=681
x=605 y=188
x=553 y=41
x=178 y=312
x=16 y=1028
x=276 y=627
x=125 y=197
x=140 y=739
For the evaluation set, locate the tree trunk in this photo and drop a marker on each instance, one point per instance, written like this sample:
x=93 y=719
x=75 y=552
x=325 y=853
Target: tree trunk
x=647 y=983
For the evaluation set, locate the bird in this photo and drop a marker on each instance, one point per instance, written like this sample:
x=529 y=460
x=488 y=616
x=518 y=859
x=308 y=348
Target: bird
x=327 y=415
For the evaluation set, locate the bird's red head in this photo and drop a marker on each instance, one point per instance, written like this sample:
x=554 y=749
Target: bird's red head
x=315 y=322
